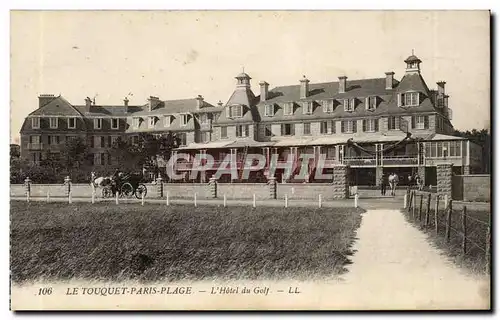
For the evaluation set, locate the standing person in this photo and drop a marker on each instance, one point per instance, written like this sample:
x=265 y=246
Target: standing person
x=410 y=180
x=383 y=185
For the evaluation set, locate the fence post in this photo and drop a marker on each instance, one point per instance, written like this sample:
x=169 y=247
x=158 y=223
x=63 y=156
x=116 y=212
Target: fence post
x=272 y=187
x=212 y=182
x=488 y=248
x=420 y=208
x=48 y=195
x=168 y=200
x=405 y=201
x=253 y=202
x=195 y=204
x=436 y=212
x=27 y=188
x=93 y=193
x=225 y=200
x=142 y=198
x=159 y=187
x=427 y=213
x=116 y=197
x=67 y=183
x=356 y=200
x=413 y=205
x=464 y=229
x=448 y=220
x=319 y=201
x=286 y=200
x=410 y=200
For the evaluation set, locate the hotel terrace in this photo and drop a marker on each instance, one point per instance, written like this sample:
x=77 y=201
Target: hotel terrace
x=374 y=126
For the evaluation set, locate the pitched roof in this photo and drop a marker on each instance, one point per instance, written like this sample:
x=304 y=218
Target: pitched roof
x=57 y=107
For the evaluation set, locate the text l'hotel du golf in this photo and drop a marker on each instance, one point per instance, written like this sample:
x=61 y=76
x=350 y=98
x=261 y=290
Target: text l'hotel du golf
x=105 y=291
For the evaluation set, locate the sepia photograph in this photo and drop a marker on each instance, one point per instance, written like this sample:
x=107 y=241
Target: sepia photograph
x=250 y=160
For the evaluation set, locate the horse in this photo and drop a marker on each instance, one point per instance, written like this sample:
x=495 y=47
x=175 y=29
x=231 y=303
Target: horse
x=393 y=182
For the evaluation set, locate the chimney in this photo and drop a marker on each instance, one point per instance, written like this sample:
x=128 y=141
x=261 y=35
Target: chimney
x=199 y=102
x=88 y=102
x=264 y=90
x=44 y=99
x=125 y=102
x=342 y=84
x=219 y=104
x=304 y=87
x=153 y=102
x=441 y=91
x=389 y=79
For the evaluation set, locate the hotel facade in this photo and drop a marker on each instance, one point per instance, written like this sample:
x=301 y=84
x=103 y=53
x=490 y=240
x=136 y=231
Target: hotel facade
x=373 y=126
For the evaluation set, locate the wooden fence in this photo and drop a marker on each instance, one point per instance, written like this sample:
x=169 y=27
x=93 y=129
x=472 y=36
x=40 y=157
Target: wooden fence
x=468 y=229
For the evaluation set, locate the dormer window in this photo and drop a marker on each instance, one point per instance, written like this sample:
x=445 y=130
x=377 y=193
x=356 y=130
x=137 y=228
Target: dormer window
x=71 y=123
x=203 y=118
x=184 y=119
x=288 y=108
x=349 y=104
x=53 y=122
x=307 y=107
x=269 y=110
x=98 y=123
x=371 y=103
x=166 y=121
x=114 y=123
x=152 y=121
x=235 y=112
x=136 y=122
x=35 y=123
x=408 y=99
x=327 y=106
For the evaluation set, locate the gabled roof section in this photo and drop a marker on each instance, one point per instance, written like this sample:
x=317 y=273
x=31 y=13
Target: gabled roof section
x=330 y=90
x=109 y=110
x=57 y=107
x=243 y=96
x=169 y=107
x=413 y=81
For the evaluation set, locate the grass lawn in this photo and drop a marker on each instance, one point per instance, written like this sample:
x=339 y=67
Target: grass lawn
x=477 y=221
x=57 y=241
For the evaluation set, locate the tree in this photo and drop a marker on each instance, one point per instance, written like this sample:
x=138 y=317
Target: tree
x=481 y=138
x=74 y=155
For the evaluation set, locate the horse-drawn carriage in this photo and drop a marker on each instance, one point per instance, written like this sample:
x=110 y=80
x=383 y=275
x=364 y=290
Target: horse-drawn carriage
x=126 y=186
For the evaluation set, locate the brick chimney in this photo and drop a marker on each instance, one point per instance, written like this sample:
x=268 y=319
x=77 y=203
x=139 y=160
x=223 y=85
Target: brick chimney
x=389 y=79
x=304 y=87
x=199 y=102
x=264 y=90
x=441 y=85
x=44 y=99
x=88 y=102
x=342 y=84
x=153 y=102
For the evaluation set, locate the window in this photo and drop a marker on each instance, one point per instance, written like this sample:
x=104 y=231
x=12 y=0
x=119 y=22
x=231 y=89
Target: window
x=53 y=139
x=110 y=159
x=371 y=103
x=223 y=132
x=327 y=106
x=35 y=139
x=288 y=129
x=97 y=158
x=349 y=126
x=420 y=122
x=268 y=132
x=307 y=107
x=103 y=158
x=269 y=110
x=370 y=125
x=408 y=99
x=327 y=127
x=166 y=121
x=35 y=123
x=184 y=119
x=440 y=102
x=114 y=123
x=307 y=129
x=103 y=142
x=98 y=123
x=53 y=122
x=182 y=138
x=439 y=149
x=329 y=152
x=204 y=137
x=242 y=130
x=152 y=122
x=113 y=140
x=71 y=123
x=288 y=109
x=393 y=123
x=203 y=118
x=349 y=104
x=455 y=149
x=235 y=111
x=135 y=139
x=136 y=122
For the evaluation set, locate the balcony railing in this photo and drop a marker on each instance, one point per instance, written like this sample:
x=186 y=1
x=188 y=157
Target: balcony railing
x=360 y=161
x=399 y=160
x=35 y=146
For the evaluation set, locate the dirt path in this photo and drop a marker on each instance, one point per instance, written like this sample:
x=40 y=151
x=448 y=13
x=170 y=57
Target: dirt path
x=397 y=267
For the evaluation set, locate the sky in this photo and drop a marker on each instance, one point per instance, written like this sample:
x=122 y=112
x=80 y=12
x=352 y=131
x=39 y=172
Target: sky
x=180 y=54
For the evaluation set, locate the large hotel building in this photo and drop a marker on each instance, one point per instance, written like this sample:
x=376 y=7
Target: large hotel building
x=372 y=125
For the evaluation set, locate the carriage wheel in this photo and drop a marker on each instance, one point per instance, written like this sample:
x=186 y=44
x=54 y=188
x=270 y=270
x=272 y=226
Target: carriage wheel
x=127 y=190
x=107 y=193
x=141 y=189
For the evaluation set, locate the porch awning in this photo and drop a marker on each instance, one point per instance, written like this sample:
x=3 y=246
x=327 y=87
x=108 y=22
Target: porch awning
x=249 y=143
x=293 y=142
x=209 y=145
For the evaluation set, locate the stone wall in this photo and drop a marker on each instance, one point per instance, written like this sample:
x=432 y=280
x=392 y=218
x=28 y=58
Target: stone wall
x=472 y=187
x=340 y=182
